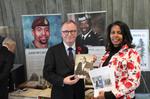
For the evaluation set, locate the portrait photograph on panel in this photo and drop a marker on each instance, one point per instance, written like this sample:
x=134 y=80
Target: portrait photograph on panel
x=91 y=27
x=41 y=31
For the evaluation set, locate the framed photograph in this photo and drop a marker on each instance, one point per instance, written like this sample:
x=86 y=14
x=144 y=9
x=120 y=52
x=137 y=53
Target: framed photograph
x=83 y=64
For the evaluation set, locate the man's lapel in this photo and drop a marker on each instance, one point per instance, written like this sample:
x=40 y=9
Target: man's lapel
x=65 y=57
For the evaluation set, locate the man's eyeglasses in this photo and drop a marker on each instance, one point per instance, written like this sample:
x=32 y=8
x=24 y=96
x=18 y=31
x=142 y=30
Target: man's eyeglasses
x=71 y=32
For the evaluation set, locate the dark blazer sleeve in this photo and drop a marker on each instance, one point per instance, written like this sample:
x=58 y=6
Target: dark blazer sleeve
x=49 y=69
x=7 y=60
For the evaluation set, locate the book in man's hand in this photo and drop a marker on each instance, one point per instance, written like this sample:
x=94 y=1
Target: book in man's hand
x=83 y=64
x=103 y=79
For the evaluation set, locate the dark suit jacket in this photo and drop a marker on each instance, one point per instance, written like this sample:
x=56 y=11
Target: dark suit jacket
x=57 y=66
x=6 y=63
x=1 y=41
x=91 y=39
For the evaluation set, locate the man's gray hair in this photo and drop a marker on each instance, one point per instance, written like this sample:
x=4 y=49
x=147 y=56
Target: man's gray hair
x=10 y=44
x=9 y=41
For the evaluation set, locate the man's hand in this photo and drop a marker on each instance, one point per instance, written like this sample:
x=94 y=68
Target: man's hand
x=70 y=80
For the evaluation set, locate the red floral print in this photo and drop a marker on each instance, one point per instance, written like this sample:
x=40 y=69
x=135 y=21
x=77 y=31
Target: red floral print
x=121 y=54
x=128 y=84
x=138 y=59
x=123 y=79
x=138 y=75
x=115 y=61
x=130 y=65
x=126 y=65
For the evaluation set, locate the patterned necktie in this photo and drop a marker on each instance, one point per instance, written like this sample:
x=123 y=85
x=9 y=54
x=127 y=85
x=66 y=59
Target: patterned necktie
x=71 y=55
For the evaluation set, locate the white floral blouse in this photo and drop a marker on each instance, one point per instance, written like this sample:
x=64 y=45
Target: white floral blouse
x=126 y=65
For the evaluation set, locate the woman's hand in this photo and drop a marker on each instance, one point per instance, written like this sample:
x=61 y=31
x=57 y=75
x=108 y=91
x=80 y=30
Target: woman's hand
x=101 y=95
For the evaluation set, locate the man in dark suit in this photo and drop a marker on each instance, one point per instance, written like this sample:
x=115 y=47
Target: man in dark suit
x=87 y=36
x=59 y=68
x=6 y=62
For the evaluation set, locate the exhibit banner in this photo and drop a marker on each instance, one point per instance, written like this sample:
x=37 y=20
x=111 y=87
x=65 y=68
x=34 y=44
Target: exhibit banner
x=141 y=40
x=40 y=32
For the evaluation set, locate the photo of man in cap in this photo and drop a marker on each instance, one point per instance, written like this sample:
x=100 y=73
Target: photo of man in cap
x=87 y=36
x=41 y=33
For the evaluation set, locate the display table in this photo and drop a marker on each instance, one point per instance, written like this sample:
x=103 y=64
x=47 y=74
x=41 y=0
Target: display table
x=30 y=93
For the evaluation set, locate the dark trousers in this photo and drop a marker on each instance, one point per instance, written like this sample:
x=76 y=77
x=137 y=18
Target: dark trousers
x=3 y=92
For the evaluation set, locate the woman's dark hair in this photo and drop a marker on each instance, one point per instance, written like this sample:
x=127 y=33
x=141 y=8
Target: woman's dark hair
x=127 y=37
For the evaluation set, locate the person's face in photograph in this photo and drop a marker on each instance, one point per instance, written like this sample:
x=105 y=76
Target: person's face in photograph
x=84 y=26
x=69 y=33
x=116 y=35
x=83 y=59
x=41 y=34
